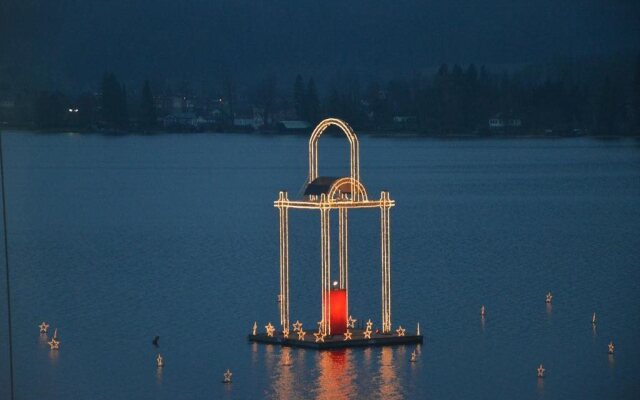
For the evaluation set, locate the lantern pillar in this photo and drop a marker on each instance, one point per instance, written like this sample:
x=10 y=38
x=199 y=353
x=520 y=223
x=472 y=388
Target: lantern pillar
x=284 y=259
x=385 y=207
x=325 y=250
x=343 y=250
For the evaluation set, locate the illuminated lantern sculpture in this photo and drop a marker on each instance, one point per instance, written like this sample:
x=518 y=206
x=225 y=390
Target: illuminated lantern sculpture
x=326 y=194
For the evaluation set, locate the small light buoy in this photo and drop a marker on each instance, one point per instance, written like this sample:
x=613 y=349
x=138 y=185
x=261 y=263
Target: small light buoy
x=44 y=327
x=414 y=356
x=255 y=328
x=227 y=376
x=541 y=371
x=160 y=361
x=549 y=298
x=611 y=347
x=483 y=311
x=593 y=319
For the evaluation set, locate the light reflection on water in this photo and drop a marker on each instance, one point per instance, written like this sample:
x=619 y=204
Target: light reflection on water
x=336 y=374
x=388 y=386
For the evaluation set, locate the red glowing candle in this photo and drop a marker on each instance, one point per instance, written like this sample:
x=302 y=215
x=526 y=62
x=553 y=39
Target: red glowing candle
x=338 y=318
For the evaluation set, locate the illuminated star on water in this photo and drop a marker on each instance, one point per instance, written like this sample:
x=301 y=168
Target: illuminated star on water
x=54 y=344
x=351 y=322
x=227 y=376
x=160 y=361
x=347 y=335
x=367 y=334
x=44 y=327
x=285 y=333
x=270 y=329
x=319 y=336
x=549 y=297
x=297 y=326
x=611 y=347
x=301 y=334
x=541 y=371
x=369 y=325
x=400 y=330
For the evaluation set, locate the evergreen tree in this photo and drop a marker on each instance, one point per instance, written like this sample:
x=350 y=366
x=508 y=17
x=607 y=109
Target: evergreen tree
x=312 y=104
x=299 y=98
x=123 y=117
x=606 y=109
x=114 y=108
x=636 y=97
x=147 y=108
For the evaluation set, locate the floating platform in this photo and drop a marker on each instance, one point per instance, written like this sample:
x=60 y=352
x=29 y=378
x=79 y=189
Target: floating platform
x=337 y=341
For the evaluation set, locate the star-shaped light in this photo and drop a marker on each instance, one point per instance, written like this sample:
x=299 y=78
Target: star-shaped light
x=227 y=376
x=54 y=344
x=541 y=371
x=270 y=329
x=369 y=325
x=160 y=361
x=351 y=322
x=297 y=326
x=301 y=334
x=400 y=330
x=611 y=347
x=319 y=336
x=549 y=297
x=285 y=333
x=44 y=327
x=255 y=328
x=367 y=334
x=347 y=335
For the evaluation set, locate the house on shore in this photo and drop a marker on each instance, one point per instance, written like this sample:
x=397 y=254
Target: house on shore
x=293 y=126
x=499 y=123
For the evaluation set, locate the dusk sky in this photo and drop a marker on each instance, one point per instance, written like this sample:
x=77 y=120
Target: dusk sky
x=73 y=42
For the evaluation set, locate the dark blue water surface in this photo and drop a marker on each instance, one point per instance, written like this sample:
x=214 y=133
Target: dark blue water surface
x=116 y=239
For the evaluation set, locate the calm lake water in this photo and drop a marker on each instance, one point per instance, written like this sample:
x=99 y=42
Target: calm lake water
x=116 y=239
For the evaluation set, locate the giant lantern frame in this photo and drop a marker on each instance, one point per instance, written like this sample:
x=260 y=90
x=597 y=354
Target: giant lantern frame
x=326 y=194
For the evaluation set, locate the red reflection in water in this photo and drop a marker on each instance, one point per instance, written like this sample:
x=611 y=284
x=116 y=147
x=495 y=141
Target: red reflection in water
x=336 y=375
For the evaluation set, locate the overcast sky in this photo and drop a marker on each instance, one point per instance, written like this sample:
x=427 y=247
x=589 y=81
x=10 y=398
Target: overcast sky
x=75 y=41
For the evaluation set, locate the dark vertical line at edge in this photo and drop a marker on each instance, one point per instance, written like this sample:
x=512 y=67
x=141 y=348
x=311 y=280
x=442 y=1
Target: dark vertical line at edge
x=6 y=260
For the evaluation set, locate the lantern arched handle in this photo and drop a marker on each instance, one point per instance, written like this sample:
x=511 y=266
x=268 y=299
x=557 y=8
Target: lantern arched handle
x=354 y=147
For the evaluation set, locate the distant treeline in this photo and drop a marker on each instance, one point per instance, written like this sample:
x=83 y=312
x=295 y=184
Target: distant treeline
x=599 y=97
x=592 y=99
